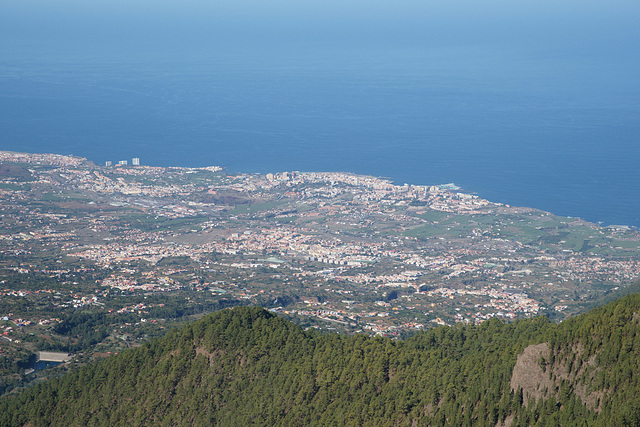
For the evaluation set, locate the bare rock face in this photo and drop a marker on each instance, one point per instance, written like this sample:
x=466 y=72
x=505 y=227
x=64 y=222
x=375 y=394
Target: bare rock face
x=529 y=375
x=538 y=379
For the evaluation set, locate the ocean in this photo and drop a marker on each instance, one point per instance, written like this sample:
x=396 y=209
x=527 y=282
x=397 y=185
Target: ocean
x=542 y=129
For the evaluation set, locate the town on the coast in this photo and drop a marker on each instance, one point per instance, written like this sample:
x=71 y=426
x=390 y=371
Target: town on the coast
x=97 y=259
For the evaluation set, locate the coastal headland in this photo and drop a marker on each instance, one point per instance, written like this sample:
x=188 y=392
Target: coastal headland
x=97 y=259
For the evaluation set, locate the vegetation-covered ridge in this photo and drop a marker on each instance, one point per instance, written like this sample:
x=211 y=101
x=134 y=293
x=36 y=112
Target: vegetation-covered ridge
x=246 y=366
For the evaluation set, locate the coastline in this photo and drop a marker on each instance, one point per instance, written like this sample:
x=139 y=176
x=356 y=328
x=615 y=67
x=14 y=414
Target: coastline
x=59 y=160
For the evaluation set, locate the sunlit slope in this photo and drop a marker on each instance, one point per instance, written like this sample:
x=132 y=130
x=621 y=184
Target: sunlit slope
x=248 y=367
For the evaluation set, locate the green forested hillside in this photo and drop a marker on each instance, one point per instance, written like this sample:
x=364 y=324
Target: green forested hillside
x=248 y=367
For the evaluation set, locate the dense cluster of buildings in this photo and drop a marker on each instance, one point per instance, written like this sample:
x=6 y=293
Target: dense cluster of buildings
x=445 y=255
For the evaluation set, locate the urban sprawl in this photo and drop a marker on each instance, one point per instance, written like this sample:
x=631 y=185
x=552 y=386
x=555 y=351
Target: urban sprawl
x=333 y=251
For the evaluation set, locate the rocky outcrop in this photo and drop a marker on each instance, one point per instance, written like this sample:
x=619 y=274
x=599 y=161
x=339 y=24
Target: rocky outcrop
x=539 y=379
x=528 y=373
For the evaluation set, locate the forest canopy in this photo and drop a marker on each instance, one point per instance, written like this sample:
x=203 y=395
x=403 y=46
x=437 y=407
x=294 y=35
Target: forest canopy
x=246 y=366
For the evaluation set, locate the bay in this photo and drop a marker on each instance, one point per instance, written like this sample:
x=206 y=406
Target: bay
x=535 y=128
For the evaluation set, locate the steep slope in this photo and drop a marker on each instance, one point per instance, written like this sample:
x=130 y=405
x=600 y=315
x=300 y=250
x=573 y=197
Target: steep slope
x=248 y=367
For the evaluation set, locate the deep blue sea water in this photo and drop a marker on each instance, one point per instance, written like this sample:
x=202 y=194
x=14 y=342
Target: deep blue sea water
x=540 y=129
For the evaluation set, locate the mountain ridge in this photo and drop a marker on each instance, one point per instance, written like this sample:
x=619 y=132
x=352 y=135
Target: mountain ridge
x=247 y=366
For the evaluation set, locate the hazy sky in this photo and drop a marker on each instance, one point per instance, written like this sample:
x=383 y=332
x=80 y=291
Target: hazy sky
x=412 y=22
